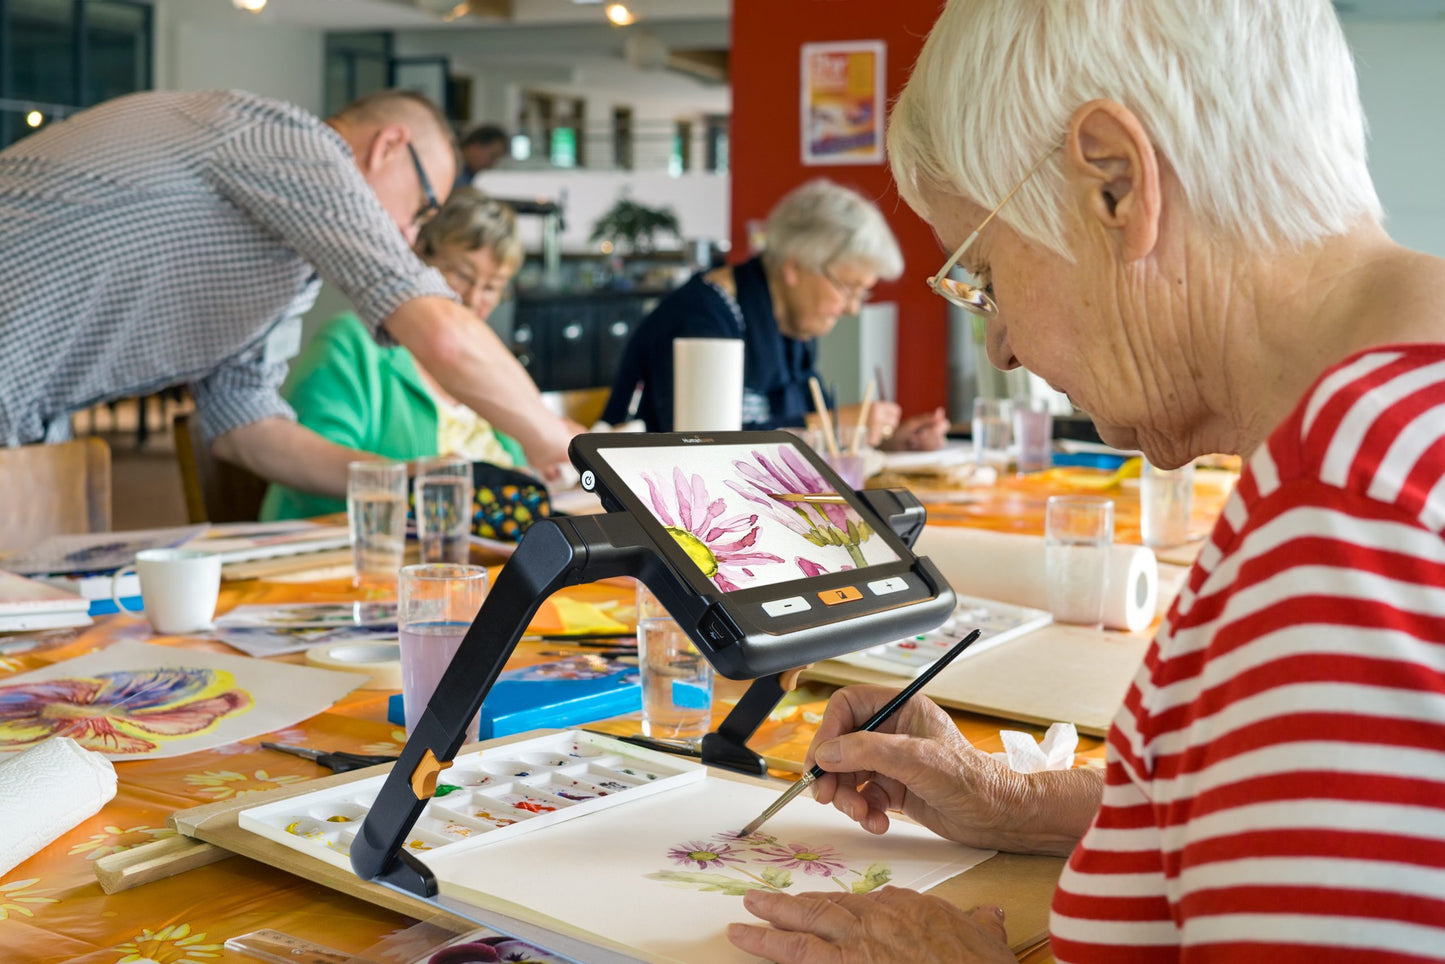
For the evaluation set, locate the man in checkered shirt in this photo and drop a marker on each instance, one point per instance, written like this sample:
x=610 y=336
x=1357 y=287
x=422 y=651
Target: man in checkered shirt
x=161 y=238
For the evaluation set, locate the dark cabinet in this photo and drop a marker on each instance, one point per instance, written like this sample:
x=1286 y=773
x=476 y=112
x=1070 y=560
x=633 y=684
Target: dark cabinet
x=569 y=341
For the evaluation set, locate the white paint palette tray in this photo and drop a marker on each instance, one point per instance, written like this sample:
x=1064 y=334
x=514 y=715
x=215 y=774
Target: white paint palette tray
x=488 y=795
x=998 y=622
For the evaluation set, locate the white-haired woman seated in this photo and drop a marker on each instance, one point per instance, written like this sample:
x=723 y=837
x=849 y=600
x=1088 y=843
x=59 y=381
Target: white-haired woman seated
x=1196 y=257
x=827 y=246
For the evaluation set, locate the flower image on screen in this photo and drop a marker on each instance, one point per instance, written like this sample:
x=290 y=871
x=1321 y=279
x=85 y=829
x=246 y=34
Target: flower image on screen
x=729 y=509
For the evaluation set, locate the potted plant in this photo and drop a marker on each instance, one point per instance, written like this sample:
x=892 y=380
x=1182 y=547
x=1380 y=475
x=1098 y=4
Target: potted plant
x=634 y=227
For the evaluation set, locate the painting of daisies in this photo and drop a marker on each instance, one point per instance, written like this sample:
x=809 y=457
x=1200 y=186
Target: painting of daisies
x=624 y=878
x=728 y=508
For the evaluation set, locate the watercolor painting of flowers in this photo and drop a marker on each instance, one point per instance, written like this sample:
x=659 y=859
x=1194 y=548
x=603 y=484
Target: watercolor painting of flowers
x=730 y=863
x=821 y=523
x=720 y=544
x=120 y=712
x=132 y=699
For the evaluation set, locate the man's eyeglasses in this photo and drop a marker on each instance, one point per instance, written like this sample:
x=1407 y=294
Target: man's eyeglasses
x=431 y=206
x=970 y=297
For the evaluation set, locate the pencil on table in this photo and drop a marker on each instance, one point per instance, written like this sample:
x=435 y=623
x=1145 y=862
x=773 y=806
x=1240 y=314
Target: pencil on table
x=824 y=417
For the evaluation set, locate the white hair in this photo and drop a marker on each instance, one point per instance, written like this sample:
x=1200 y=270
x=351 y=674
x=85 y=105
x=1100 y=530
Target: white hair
x=1254 y=104
x=822 y=222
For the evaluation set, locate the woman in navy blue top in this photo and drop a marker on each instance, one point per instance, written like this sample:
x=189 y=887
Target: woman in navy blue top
x=827 y=247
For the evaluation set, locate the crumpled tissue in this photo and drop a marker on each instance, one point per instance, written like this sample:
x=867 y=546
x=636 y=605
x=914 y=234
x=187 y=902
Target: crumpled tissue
x=47 y=791
x=1054 y=752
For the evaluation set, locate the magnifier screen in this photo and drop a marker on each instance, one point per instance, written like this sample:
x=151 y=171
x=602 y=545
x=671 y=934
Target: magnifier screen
x=743 y=515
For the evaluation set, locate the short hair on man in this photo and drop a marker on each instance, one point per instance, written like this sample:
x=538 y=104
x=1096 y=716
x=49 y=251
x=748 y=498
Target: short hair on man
x=395 y=105
x=486 y=135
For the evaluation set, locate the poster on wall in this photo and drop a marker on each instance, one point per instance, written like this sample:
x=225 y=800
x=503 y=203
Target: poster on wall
x=842 y=107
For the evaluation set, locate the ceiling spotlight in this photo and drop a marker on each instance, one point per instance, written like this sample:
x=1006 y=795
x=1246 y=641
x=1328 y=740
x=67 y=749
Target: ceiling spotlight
x=34 y=118
x=254 y=6
x=619 y=14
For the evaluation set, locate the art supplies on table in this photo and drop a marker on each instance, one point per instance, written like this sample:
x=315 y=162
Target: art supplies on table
x=28 y=604
x=249 y=541
x=94 y=553
x=565 y=692
x=136 y=700
x=262 y=630
x=1057 y=673
x=998 y=622
x=633 y=842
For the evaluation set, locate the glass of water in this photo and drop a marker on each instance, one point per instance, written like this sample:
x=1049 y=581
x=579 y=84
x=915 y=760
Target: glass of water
x=444 y=508
x=1078 y=536
x=676 y=683
x=992 y=432
x=436 y=603
x=376 y=509
x=1166 y=497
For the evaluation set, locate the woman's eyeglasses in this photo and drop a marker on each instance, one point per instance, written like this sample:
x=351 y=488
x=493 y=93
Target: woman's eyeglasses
x=970 y=297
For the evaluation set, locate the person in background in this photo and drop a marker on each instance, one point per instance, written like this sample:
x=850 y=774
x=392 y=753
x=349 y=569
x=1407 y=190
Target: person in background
x=175 y=238
x=347 y=388
x=827 y=247
x=481 y=150
x=1194 y=253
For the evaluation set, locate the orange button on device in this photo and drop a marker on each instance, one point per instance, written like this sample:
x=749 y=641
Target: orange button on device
x=835 y=596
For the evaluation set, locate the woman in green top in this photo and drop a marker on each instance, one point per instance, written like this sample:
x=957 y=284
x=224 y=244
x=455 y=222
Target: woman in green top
x=357 y=393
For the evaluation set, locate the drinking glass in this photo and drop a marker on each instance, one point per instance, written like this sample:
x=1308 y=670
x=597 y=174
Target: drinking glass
x=376 y=509
x=1166 y=497
x=444 y=508
x=1034 y=433
x=676 y=683
x=992 y=432
x=436 y=602
x=1078 y=535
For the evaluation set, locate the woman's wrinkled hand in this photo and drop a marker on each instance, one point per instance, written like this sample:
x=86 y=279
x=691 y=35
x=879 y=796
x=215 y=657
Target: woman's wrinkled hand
x=887 y=925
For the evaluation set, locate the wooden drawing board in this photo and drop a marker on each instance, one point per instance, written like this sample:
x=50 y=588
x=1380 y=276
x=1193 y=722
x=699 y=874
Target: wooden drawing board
x=1059 y=673
x=1021 y=885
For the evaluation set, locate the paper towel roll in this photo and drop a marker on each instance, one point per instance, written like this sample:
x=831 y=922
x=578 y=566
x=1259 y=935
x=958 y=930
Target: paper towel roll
x=45 y=792
x=707 y=385
x=1010 y=568
x=381 y=662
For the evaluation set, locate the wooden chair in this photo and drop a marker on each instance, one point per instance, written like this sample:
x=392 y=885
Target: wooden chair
x=582 y=405
x=50 y=490
x=216 y=490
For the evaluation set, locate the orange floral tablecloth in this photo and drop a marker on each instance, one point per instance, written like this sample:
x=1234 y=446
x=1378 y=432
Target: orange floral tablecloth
x=53 y=910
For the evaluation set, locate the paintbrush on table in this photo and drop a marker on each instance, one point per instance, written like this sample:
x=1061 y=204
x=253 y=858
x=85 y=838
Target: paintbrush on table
x=875 y=721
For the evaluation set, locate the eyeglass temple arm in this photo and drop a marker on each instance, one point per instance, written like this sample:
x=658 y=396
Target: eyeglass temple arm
x=958 y=254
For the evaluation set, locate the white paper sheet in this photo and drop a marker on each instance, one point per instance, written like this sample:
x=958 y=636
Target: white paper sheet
x=621 y=878
x=134 y=700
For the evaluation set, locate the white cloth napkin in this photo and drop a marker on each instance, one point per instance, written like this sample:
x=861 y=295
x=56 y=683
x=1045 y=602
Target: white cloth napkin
x=45 y=792
x=1054 y=752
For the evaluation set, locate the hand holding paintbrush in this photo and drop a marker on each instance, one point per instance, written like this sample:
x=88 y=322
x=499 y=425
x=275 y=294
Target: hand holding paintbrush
x=876 y=720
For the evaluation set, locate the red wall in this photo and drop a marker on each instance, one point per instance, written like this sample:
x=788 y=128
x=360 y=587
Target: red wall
x=766 y=154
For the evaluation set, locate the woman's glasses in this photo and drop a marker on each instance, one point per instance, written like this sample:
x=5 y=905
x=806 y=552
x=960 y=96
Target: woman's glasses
x=970 y=297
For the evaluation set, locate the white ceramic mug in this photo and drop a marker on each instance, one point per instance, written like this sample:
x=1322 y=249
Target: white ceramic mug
x=178 y=588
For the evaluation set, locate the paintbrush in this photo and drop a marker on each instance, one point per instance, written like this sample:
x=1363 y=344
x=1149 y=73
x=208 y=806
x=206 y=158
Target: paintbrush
x=825 y=418
x=826 y=498
x=860 y=430
x=875 y=721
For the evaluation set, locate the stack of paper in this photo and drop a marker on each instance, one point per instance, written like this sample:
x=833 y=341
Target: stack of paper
x=27 y=604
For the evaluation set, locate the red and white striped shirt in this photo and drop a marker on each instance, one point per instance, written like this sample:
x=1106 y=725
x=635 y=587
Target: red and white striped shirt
x=1275 y=786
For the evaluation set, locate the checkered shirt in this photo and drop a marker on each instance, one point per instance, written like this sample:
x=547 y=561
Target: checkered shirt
x=157 y=239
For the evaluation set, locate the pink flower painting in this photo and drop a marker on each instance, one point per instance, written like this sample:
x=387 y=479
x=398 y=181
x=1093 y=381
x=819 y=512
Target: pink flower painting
x=721 y=545
x=121 y=712
x=821 y=523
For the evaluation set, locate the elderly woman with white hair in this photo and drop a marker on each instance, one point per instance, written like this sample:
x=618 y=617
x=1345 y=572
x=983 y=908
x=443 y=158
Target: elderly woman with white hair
x=1166 y=213
x=827 y=246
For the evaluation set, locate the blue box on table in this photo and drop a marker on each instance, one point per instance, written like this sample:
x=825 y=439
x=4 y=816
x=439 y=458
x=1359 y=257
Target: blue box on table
x=561 y=693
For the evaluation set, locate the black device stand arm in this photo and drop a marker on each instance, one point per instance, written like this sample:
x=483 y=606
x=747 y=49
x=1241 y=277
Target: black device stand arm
x=553 y=554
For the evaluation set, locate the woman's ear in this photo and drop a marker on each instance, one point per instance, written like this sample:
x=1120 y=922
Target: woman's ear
x=1111 y=159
